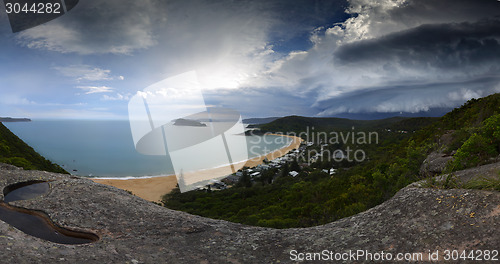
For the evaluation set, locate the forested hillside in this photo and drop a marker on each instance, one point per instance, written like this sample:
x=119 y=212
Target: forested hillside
x=300 y=123
x=14 y=151
x=276 y=199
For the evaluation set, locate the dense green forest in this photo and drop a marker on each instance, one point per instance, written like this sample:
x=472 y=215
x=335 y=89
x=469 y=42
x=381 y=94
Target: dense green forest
x=314 y=197
x=300 y=123
x=14 y=151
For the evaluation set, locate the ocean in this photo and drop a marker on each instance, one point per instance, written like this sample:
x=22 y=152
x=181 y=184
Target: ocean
x=103 y=148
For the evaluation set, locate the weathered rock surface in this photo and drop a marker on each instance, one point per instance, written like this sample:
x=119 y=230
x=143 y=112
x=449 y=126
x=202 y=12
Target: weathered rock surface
x=436 y=161
x=133 y=230
x=434 y=164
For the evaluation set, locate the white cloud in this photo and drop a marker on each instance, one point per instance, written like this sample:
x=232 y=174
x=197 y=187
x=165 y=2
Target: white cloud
x=464 y=94
x=97 y=27
x=86 y=73
x=117 y=97
x=375 y=18
x=95 y=89
x=11 y=99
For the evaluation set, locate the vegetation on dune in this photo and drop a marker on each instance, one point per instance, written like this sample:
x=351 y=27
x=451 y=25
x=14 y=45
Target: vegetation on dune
x=14 y=151
x=314 y=197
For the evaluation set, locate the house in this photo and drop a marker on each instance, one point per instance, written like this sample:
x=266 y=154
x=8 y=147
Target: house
x=217 y=185
x=201 y=188
x=255 y=174
x=293 y=173
x=232 y=179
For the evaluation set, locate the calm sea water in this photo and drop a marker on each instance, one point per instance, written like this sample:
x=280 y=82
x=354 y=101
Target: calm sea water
x=105 y=148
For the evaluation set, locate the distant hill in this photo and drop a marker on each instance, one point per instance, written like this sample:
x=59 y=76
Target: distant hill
x=258 y=121
x=433 y=112
x=300 y=123
x=14 y=151
x=471 y=114
x=10 y=119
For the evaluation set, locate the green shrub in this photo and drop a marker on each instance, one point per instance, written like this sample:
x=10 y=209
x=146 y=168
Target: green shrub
x=19 y=162
x=475 y=150
x=479 y=147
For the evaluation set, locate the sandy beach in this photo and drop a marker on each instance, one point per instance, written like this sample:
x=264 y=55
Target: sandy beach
x=153 y=188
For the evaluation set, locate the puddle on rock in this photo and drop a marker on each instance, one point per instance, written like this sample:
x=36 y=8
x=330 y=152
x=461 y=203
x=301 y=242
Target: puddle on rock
x=37 y=223
x=25 y=191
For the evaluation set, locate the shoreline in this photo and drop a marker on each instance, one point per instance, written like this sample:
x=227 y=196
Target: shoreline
x=152 y=188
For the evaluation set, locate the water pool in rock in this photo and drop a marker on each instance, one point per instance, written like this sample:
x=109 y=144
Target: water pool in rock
x=37 y=223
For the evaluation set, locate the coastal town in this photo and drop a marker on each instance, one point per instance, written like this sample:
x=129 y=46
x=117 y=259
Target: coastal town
x=292 y=164
x=297 y=160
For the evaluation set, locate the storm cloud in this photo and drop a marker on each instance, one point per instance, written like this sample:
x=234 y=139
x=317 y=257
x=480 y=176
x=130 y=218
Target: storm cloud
x=266 y=58
x=454 y=46
x=398 y=56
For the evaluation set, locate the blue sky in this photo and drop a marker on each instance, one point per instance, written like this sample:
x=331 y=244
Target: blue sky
x=263 y=58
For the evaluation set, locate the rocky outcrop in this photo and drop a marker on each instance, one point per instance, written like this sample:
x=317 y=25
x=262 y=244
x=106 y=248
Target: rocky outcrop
x=132 y=230
x=434 y=164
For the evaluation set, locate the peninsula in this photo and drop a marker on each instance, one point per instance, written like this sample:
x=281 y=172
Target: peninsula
x=11 y=119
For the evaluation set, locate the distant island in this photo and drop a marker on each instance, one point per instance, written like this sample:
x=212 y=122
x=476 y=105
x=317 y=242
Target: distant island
x=10 y=119
x=188 y=122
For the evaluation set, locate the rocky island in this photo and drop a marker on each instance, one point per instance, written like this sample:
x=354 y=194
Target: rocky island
x=188 y=122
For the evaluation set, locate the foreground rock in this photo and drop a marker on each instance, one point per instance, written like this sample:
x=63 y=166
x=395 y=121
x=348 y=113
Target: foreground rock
x=434 y=164
x=133 y=230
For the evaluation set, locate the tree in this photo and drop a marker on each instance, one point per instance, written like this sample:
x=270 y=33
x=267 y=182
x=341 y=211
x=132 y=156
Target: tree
x=294 y=166
x=285 y=170
x=245 y=180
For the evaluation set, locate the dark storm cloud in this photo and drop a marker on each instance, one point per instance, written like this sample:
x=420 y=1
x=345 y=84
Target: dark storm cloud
x=439 y=11
x=411 y=98
x=261 y=102
x=401 y=56
x=447 y=46
x=112 y=26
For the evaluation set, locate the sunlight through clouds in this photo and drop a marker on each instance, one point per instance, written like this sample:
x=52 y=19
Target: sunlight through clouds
x=311 y=57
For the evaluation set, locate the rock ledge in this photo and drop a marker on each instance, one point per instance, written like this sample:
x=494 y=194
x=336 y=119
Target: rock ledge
x=133 y=230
